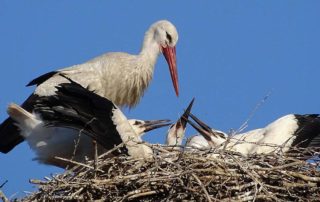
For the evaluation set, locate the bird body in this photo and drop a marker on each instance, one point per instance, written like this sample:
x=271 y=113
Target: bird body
x=289 y=131
x=65 y=125
x=120 y=72
x=177 y=130
x=199 y=142
x=51 y=142
x=120 y=77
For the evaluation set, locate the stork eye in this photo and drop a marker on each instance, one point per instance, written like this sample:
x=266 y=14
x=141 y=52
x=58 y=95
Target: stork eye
x=137 y=123
x=220 y=135
x=169 y=37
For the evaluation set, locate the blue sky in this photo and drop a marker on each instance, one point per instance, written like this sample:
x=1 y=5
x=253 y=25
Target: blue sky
x=230 y=55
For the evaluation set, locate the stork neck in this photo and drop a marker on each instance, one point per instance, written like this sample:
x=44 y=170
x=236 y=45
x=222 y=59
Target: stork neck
x=174 y=137
x=218 y=140
x=150 y=49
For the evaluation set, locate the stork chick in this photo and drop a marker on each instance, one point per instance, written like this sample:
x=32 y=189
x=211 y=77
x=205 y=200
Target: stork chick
x=289 y=131
x=176 y=131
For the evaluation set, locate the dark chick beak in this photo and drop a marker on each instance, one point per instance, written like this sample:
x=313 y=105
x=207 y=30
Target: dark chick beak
x=201 y=123
x=207 y=128
x=154 y=124
x=170 y=55
x=206 y=134
x=182 y=121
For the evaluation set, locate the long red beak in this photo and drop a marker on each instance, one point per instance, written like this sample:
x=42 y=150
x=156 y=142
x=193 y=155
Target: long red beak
x=170 y=55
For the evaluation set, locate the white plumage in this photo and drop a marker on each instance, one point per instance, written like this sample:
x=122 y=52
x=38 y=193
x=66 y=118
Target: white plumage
x=119 y=77
x=289 y=131
x=65 y=125
x=176 y=131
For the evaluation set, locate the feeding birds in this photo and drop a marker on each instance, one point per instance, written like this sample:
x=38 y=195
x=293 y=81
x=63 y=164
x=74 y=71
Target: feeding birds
x=120 y=77
x=177 y=130
x=64 y=125
x=289 y=131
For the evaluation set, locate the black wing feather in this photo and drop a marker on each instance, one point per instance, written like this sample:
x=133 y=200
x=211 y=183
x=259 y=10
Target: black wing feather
x=308 y=134
x=76 y=107
x=9 y=133
x=39 y=80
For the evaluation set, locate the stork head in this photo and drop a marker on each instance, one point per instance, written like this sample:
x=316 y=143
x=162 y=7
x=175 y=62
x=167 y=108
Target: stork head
x=165 y=33
x=140 y=127
x=212 y=136
x=166 y=36
x=176 y=131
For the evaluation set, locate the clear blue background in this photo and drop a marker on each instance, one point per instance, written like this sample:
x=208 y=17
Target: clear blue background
x=230 y=55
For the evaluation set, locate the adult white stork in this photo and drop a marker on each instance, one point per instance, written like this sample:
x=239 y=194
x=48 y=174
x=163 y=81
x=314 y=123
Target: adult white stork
x=176 y=131
x=119 y=77
x=66 y=123
x=289 y=131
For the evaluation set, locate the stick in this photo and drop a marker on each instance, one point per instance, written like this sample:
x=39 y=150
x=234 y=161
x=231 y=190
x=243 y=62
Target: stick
x=203 y=188
x=3 y=197
x=76 y=163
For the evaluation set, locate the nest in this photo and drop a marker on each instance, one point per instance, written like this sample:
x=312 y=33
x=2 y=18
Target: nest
x=176 y=174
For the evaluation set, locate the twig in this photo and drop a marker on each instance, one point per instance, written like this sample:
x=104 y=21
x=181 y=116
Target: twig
x=244 y=125
x=77 y=141
x=211 y=175
x=76 y=163
x=303 y=177
x=3 y=197
x=5 y=182
x=148 y=193
x=110 y=151
x=39 y=182
x=95 y=160
x=202 y=187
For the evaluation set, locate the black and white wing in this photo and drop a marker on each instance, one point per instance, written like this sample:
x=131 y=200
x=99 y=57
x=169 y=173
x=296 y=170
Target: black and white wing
x=73 y=106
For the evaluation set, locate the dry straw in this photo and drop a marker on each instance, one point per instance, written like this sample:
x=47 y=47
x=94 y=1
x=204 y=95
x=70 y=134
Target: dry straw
x=175 y=174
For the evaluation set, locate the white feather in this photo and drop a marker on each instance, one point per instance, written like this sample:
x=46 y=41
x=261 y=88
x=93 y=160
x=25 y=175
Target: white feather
x=175 y=135
x=50 y=142
x=263 y=140
x=198 y=142
x=132 y=140
x=120 y=77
